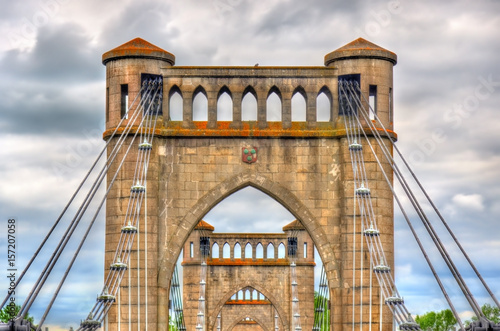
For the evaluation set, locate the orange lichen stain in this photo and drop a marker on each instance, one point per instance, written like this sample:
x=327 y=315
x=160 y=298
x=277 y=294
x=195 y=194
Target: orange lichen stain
x=247 y=322
x=247 y=129
x=136 y=47
x=247 y=302
x=202 y=225
x=249 y=235
x=259 y=68
x=251 y=262
x=361 y=44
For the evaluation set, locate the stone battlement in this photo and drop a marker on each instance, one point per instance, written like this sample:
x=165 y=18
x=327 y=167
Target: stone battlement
x=181 y=116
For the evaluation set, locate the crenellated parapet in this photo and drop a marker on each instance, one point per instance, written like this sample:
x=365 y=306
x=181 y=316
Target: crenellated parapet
x=369 y=62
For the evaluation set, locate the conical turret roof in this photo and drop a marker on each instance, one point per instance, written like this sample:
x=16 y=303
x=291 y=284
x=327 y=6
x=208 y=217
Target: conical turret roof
x=360 y=48
x=295 y=225
x=202 y=225
x=138 y=48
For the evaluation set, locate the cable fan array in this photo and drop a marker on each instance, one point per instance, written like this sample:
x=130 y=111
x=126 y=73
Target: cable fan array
x=149 y=104
x=131 y=221
x=176 y=311
x=351 y=102
x=321 y=310
x=364 y=206
x=204 y=253
x=292 y=256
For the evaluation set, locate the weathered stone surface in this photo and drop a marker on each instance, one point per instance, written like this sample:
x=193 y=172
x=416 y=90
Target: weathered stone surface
x=305 y=166
x=228 y=275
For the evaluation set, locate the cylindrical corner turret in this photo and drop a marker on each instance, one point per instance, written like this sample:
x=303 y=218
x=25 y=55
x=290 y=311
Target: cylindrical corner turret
x=374 y=65
x=124 y=66
x=299 y=245
x=198 y=245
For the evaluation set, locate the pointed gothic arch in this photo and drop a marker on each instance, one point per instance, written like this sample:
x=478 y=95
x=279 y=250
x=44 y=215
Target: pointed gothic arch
x=200 y=104
x=324 y=105
x=274 y=105
x=279 y=193
x=299 y=104
x=224 y=104
x=249 y=104
x=236 y=289
x=175 y=104
x=243 y=316
x=276 y=191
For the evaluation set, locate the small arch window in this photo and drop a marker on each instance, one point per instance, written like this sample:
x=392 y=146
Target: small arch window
x=259 y=251
x=215 y=251
x=270 y=251
x=281 y=251
x=299 y=106
x=200 y=106
x=224 y=106
x=226 y=251
x=274 y=106
x=237 y=251
x=249 y=105
x=248 y=251
x=175 y=104
x=324 y=105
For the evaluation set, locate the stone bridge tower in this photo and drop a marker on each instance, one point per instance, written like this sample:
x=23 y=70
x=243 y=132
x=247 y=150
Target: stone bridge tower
x=256 y=263
x=197 y=161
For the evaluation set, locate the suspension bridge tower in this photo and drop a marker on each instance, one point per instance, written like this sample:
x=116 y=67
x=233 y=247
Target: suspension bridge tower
x=198 y=158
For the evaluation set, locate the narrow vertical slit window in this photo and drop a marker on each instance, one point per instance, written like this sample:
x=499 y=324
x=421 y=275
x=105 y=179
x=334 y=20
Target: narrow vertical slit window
x=305 y=250
x=372 y=99
x=107 y=104
x=191 y=249
x=124 y=101
x=391 y=120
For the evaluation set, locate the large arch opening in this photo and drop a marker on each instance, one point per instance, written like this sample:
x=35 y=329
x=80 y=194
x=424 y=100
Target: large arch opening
x=248 y=300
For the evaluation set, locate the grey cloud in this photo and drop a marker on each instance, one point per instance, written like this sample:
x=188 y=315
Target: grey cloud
x=40 y=86
x=149 y=20
x=41 y=92
x=35 y=112
x=62 y=54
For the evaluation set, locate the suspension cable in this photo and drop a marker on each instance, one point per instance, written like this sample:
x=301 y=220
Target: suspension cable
x=366 y=207
x=88 y=230
x=407 y=219
x=64 y=240
x=438 y=213
x=114 y=277
x=42 y=244
x=432 y=233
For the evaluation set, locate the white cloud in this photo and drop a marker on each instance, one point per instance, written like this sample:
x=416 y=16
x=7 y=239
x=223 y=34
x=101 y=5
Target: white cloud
x=469 y=201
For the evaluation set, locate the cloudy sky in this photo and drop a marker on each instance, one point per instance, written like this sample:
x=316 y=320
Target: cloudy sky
x=447 y=92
